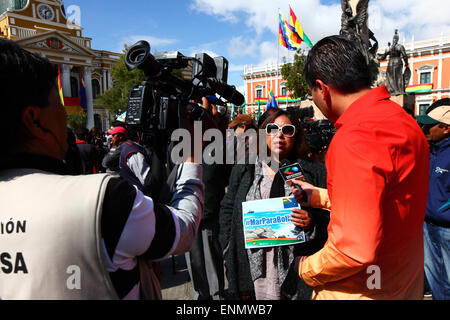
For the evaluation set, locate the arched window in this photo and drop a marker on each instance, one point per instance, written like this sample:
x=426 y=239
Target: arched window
x=95 y=88
x=74 y=87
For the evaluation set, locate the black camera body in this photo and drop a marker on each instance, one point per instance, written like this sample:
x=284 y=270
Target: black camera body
x=159 y=104
x=319 y=134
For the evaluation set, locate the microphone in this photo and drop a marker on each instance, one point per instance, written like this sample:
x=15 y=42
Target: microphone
x=291 y=171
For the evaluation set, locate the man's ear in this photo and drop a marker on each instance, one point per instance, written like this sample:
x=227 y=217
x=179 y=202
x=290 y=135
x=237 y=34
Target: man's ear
x=30 y=122
x=324 y=91
x=447 y=131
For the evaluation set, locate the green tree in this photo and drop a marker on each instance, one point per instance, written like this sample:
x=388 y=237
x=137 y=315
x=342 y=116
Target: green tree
x=76 y=121
x=293 y=74
x=116 y=98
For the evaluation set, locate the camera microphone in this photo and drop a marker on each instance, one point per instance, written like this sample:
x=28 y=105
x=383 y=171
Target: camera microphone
x=228 y=92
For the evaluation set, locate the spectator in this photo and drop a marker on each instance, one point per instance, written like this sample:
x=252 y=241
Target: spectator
x=87 y=151
x=92 y=237
x=437 y=220
x=73 y=157
x=377 y=167
x=242 y=142
x=205 y=259
x=269 y=273
x=135 y=162
x=112 y=159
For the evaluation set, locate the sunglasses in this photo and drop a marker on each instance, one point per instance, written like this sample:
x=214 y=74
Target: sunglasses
x=287 y=130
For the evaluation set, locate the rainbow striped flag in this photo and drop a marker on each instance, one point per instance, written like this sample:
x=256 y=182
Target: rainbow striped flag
x=419 y=88
x=283 y=36
x=272 y=103
x=298 y=28
x=294 y=40
x=60 y=90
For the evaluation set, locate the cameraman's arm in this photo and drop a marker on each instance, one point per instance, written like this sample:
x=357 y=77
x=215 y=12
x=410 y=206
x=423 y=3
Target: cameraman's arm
x=111 y=159
x=138 y=164
x=150 y=229
x=187 y=206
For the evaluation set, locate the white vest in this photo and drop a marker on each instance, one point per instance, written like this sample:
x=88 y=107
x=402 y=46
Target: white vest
x=50 y=237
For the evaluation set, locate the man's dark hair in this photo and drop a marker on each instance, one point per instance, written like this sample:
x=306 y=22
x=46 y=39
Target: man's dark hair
x=438 y=103
x=82 y=133
x=339 y=63
x=118 y=124
x=25 y=80
x=132 y=133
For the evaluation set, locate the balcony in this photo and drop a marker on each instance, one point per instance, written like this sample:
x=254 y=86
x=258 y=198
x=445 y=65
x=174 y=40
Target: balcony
x=84 y=42
x=21 y=32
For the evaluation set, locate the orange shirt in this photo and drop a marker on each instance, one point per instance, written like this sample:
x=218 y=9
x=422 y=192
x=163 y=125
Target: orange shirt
x=377 y=185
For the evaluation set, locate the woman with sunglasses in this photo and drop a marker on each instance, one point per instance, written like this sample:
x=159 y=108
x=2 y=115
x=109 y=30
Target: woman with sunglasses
x=269 y=273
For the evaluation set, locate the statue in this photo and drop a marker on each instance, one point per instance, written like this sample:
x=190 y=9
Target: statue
x=354 y=26
x=396 y=79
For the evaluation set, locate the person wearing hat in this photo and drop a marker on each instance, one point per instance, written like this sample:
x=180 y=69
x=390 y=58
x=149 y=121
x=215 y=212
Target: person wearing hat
x=111 y=160
x=437 y=220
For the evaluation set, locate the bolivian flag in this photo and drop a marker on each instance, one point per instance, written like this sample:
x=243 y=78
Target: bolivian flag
x=298 y=28
x=60 y=90
x=420 y=88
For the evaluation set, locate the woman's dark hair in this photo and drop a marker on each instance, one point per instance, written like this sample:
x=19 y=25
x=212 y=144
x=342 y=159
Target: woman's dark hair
x=301 y=148
x=25 y=80
x=337 y=62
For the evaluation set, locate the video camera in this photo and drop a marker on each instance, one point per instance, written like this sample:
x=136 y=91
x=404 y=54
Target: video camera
x=319 y=134
x=159 y=104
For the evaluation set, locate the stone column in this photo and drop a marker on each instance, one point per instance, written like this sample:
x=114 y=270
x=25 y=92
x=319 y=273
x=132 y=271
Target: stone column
x=65 y=77
x=90 y=101
x=105 y=82
x=110 y=80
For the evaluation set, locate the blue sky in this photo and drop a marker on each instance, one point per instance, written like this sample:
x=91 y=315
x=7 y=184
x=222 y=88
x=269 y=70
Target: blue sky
x=245 y=31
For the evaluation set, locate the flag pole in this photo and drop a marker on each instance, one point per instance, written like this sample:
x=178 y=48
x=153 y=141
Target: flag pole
x=278 y=59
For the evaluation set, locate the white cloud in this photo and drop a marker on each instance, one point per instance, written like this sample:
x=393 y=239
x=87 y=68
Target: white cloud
x=423 y=19
x=155 y=42
x=235 y=68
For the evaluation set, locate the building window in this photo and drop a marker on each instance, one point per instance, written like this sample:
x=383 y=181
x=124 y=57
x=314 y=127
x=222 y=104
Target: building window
x=425 y=77
x=423 y=108
x=98 y=121
x=258 y=93
x=283 y=91
x=95 y=88
x=74 y=87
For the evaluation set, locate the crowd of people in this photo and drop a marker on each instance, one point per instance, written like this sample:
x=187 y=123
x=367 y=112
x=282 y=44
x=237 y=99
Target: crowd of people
x=376 y=213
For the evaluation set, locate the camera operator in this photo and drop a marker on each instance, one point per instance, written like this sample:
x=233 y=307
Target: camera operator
x=84 y=237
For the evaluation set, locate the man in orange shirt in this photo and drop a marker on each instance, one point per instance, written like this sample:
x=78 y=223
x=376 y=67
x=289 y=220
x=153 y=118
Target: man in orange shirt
x=377 y=168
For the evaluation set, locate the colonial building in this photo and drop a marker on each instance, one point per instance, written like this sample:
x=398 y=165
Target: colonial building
x=259 y=81
x=42 y=27
x=429 y=62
